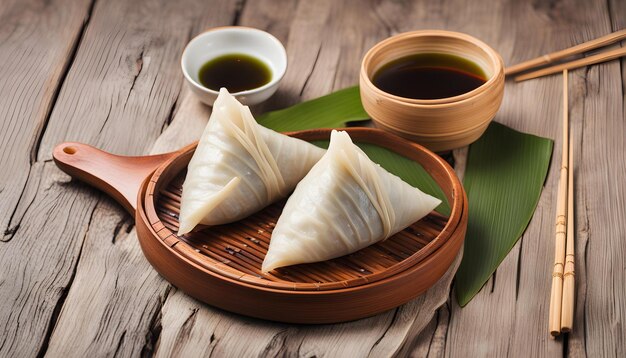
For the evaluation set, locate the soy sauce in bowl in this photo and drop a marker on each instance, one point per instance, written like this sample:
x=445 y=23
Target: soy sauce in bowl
x=429 y=76
x=237 y=72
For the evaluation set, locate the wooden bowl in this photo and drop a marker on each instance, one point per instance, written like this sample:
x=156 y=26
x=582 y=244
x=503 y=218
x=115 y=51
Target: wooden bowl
x=220 y=265
x=438 y=124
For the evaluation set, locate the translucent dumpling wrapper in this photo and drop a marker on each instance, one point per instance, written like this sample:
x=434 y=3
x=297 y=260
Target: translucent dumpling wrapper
x=239 y=167
x=345 y=203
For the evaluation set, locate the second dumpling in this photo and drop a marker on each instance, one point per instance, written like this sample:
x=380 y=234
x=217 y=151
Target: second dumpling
x=345 y=203
x=240 y=167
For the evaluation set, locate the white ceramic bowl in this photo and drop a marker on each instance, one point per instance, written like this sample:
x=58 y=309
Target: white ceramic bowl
x=234 y=39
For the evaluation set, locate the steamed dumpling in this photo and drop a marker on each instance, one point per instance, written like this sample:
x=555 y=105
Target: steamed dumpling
x=240 y=167
x=345 y=203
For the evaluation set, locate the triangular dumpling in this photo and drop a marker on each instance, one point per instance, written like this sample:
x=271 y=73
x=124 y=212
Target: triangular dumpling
x=345 y=203
x=240 y=167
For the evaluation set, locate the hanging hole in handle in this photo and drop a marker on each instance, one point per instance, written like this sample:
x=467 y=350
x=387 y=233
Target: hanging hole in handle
x=69 y=150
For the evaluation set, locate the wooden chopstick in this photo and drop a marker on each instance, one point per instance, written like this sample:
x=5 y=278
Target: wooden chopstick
x=561 y=225
x=574 y=50
x=569 y=292
x=601 y=57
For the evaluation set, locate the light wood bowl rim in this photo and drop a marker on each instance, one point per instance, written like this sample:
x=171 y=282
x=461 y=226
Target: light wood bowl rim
x=495 y=58
x=402 y=101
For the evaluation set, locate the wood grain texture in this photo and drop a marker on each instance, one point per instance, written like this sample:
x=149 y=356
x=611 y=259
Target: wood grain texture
x=72 y=278
x=123 y=84
x=601 y=203
x=114 y=285
x=37 y=42
x=513 y=305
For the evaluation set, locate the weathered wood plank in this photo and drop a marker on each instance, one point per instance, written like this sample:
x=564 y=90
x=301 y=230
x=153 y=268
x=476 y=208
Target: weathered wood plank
x=513 y=307
x=325 y=44
x=37 y=265
x=430 y=341
x=201 y=331
x=119 y=95
x=127 y=74
x=601 y=308
x=37 y=41
x=601 y=211
x=78 y=257
x=115 y=297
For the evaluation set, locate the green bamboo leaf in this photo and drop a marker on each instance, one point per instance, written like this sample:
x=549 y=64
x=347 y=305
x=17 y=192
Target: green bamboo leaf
x=504 y=177
x=330 y=111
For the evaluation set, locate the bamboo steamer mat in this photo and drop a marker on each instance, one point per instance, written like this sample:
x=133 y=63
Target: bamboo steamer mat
x=241 y=246
x=220 y=265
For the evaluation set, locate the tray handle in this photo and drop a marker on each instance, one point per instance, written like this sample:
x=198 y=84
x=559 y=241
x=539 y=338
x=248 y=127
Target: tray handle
x=118 y=176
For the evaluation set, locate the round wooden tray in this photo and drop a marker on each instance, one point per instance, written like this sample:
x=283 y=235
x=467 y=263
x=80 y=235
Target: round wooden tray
x=220 y=265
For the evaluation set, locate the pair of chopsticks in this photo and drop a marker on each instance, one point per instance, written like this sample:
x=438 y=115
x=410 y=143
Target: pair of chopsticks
x=575 y=50
x=563 y=294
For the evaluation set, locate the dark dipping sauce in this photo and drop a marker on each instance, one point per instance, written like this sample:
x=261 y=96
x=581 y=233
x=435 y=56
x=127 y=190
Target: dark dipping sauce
x=237 y=72
x=429 y=76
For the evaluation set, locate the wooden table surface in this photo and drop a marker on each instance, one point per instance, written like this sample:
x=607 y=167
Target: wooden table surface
x=73 y=280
